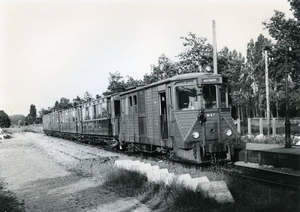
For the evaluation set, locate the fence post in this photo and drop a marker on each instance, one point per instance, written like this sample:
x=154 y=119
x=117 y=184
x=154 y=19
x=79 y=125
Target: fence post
x=249 y=126
x=274 y=126
x=261 y=129
x=239 y=125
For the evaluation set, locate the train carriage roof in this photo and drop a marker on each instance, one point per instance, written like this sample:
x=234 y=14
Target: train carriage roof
x=172 y=79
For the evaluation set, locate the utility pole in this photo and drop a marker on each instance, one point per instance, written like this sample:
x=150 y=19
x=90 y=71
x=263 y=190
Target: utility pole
x=215 y=47
x=287 y=115
x=267 y=91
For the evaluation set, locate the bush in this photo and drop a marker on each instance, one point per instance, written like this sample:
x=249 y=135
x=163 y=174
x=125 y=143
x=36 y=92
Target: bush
x=4 y=119
x=9 y=201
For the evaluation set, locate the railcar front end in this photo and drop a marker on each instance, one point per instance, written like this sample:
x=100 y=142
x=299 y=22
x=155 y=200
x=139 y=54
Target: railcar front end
x=203 y=128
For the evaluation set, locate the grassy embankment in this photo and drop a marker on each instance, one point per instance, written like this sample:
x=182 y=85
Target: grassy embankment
x=8 y=201
x=248 y=195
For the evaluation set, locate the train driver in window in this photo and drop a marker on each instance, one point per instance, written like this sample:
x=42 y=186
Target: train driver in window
x=209 y=96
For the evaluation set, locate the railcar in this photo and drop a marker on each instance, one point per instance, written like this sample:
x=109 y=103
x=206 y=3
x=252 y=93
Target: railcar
x=94 y=121
x=186 y=116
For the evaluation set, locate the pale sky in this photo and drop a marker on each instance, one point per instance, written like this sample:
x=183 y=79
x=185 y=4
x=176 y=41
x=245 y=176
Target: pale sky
x=62 y=48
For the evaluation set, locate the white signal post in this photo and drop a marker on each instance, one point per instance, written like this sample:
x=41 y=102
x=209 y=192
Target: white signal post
x=215 y=47
x=267 y=90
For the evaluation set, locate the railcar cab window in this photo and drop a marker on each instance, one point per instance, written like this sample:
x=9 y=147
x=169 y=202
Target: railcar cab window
x=186 y=96
x=209 y=96
x=224 y=96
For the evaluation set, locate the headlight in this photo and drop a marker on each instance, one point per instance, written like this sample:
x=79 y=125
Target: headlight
x=196 y=135
x=228 y=132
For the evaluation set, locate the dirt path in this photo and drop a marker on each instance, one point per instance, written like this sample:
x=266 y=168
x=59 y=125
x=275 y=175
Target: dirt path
x=38 y=174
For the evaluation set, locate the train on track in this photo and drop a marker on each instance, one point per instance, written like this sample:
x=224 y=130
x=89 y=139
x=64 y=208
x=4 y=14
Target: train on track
x=187 y=117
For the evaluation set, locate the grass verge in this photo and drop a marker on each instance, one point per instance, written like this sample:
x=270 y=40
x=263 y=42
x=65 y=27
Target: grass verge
x=9 y=201
x=249 y=195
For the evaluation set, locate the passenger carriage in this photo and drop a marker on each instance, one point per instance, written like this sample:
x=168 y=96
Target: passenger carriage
x=51 y=124
x=93 y=121
x=186 y=115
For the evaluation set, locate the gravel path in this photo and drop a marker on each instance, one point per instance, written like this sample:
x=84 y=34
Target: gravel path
x=35 y=169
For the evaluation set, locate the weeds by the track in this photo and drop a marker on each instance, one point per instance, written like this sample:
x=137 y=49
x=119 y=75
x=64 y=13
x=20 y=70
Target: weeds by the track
x=9 y=202
x=249 y=196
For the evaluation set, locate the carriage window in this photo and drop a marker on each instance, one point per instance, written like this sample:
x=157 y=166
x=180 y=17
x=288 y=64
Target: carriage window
x=223 y=91
x=87 y=117
x=104 y=110
x=130 y=101
x=210 y=96
x=126 y=106
x=186 y=97
x=135 y=100
x=99 y=111
x=94 y=112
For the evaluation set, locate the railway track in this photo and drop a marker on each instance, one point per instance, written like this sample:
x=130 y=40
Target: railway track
x=88 y=153
x=267 y=176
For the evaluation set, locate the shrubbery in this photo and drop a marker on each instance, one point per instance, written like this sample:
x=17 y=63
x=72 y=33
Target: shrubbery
x=4 y=119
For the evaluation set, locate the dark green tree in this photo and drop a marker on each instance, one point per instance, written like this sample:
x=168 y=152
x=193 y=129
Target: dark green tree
x=197 y=55
x=286 y=32
x=253 y=85
x=32 y=114
x=62 y=104
x=4 y=119
x=117 y=83
x=231 y=64
x=87 y=97
x=44 y=112
x=165 y=69
x=132 y=83
x=77 y=101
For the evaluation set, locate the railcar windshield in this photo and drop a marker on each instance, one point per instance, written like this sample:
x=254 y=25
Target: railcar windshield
x=186 y=97
x=209 y=96
x=190 y=97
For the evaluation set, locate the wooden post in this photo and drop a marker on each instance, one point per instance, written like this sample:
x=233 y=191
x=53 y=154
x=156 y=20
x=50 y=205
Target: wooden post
x=259 y=158
x=239 y=125
x=261 y=129
x=267 y=91
x=215 y=47
x=249 y=126
x=274 y=126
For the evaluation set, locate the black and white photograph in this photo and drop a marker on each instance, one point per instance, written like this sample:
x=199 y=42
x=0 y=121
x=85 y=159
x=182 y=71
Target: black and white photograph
x=148 y=105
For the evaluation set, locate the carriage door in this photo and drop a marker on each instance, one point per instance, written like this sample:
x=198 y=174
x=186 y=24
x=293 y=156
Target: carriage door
x=117 y=111
x=163 y=115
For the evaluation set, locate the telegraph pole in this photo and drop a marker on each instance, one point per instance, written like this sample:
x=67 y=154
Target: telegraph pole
x=267 y=91
x=287 y=115
x=215 y=47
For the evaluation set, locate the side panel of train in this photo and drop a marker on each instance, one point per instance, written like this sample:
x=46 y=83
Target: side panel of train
x=92 y=121
x=51 y=124
x=145 y=120
x=167 y=117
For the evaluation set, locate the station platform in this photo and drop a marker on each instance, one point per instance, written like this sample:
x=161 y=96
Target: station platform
x=274 y=155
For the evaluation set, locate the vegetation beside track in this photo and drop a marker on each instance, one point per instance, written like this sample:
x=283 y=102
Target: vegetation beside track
x=9 y=201
x=249 y=195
